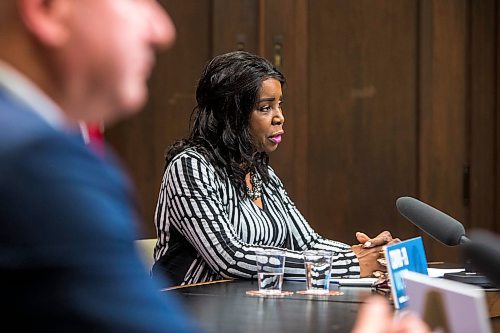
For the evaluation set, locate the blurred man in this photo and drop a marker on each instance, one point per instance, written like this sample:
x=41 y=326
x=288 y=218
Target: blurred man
x=67 y=260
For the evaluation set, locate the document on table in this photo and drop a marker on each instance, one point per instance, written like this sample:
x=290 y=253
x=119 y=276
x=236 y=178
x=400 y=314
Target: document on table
x=439 y=272
x=361 y=282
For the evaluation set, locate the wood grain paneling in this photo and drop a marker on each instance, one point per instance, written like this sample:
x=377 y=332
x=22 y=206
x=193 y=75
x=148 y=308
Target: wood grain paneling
x=362 y=115
x=285 y=45
x=497 y=116
x=235 y=26
x=143 y=140
x=443 y=100
x=482 y=115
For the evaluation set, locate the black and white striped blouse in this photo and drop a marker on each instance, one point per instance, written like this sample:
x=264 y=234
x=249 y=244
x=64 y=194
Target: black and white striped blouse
x=207 y=232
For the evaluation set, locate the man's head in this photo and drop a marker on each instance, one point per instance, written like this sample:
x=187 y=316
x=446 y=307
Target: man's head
x=92 y=57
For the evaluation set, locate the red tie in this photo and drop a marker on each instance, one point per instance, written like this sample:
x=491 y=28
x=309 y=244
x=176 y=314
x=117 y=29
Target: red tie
x=94 y=137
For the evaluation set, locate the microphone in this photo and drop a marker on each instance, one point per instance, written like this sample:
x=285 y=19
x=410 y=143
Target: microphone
x=437 y=224
x=442 y=228
x=484 y=253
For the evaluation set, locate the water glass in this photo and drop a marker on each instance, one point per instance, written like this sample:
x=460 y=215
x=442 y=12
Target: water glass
x=270 y=270
x=318 y=267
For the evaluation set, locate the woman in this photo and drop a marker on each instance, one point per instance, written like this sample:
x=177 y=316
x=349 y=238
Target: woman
x=220 y=201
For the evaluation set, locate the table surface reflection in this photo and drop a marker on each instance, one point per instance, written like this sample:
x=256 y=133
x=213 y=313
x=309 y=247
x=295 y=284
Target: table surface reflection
x=225 y=307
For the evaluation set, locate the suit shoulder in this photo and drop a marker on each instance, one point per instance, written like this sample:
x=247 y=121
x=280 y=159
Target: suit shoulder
x=18 y=129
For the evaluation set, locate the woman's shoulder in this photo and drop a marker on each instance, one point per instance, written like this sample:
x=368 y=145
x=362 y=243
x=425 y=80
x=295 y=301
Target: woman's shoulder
x=190 y=153
x=193 y=157
x=193 y=166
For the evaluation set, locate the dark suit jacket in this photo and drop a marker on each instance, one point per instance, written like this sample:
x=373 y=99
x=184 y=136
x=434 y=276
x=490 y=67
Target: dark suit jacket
x=67 y=258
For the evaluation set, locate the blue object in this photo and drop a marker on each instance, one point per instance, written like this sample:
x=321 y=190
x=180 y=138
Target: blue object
x=408 y=255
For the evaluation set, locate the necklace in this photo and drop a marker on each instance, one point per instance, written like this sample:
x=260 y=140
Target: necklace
x=256 y=191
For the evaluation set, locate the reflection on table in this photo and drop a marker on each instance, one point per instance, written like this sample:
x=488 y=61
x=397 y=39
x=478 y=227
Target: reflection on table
x=225 y=307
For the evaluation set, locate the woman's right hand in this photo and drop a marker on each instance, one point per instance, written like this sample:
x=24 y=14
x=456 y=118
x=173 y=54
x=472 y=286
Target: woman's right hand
x=370 y=250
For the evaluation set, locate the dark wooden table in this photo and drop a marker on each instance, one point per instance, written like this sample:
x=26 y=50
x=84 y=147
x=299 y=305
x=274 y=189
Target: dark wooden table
x=224 y=307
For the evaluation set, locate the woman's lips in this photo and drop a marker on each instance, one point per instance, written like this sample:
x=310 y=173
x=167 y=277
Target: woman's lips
x=275 y=138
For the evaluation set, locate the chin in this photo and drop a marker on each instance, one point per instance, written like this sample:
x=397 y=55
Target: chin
x=134 y=101
x=270 y=150
x=121 y=111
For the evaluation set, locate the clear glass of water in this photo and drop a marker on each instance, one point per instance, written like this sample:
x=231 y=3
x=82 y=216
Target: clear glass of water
x=318 y=267
x=270 y=270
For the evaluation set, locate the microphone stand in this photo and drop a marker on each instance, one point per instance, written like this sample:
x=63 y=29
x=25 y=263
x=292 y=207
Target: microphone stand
x=469 y=276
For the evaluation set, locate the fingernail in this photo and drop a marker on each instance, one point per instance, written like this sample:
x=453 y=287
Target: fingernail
x=367 y=244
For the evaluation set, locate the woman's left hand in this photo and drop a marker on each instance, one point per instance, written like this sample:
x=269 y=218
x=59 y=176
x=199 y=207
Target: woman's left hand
x=370 y=250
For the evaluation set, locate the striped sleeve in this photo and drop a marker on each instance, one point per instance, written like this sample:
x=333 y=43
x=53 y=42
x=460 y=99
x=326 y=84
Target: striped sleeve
x=345 y=265
x=194 y=205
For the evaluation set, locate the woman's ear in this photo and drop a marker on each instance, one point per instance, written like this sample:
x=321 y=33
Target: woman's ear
x=46 y=20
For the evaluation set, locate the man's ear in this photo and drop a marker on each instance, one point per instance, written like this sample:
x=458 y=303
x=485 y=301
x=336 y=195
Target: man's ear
x=46 y=20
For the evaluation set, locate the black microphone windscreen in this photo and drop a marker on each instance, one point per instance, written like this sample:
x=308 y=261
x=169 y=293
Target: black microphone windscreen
x=483 y=251
x=437 y=224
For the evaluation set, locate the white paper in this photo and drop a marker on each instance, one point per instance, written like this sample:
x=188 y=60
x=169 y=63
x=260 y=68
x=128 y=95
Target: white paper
x=439 y=272
x=362 y=282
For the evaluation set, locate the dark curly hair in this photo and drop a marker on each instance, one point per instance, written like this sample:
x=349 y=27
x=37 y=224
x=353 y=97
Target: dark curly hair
x=227 y=93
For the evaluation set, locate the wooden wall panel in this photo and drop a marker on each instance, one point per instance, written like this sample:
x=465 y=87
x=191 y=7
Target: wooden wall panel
x=235 y=26
x=497 y=118
x=482 y=115
x=142 y=141
x=362 y=115
x=443 y=100
x=285 y=45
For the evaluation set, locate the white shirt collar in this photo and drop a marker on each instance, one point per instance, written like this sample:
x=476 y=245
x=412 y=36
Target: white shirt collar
x=28 y=93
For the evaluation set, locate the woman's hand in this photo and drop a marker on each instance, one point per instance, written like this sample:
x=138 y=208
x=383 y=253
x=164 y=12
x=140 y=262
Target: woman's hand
x=370 y=250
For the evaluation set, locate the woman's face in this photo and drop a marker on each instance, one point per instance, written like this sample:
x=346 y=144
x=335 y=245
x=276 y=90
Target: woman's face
x=266 y=120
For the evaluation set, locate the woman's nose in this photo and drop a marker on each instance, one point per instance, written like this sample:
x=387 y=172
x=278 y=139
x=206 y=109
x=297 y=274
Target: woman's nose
x=278 y=118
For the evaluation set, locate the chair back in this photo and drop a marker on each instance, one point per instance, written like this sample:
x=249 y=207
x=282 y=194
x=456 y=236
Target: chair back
x=145 y=248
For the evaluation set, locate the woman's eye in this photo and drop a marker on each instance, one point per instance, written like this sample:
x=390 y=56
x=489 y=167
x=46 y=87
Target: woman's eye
x=265 y=108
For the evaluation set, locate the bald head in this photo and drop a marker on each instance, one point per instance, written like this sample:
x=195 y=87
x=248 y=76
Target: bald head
x=92 y=57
